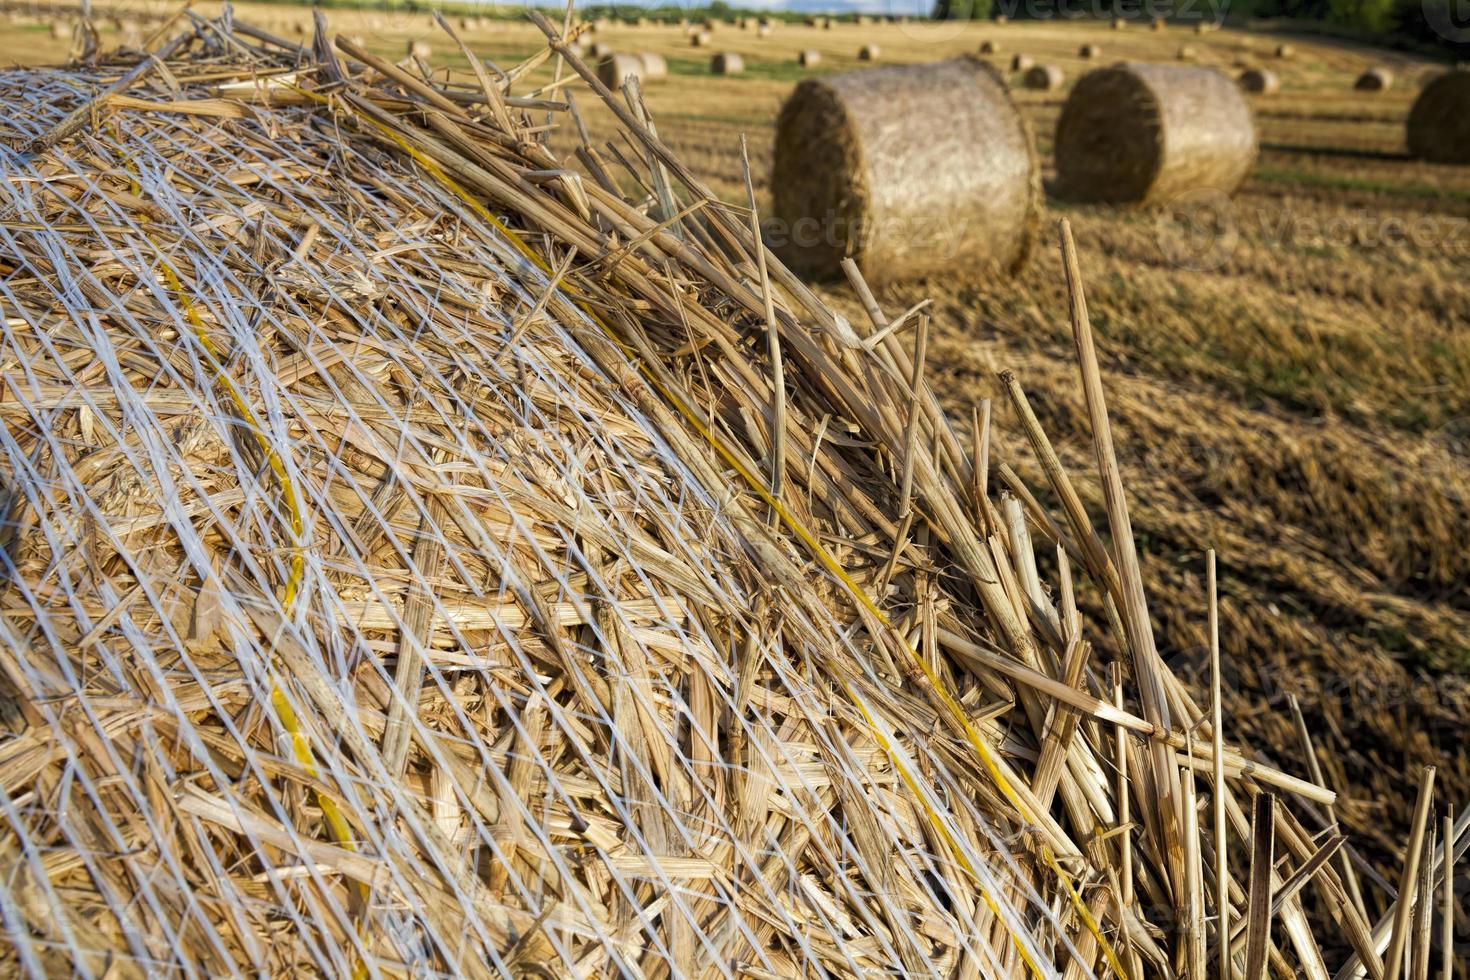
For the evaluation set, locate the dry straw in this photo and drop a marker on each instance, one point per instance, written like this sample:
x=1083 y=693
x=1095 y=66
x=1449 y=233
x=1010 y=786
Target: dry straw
x=848 y=157
x=1259 y=81
x=1438 y=127
x=426 y=554
x=1045 y=78
x=727 y=63
x=1142 y=133
x=1376 y=79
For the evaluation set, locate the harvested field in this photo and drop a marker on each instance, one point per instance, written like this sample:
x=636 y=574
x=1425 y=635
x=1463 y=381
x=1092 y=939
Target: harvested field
x=1302 y=406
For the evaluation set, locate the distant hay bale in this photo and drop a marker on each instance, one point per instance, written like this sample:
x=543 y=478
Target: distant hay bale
x=601 y=49
x=811 y=22
x=766 y=22
x=809 y=58
x=827 y=23
x=868 y=52
x=60 y=30
x=1202 y=28
x=1186 y=52
x=420 y=49
x=1118 y=23
x=1139 y=133
x=1285 y=51
x=699 y=39
x=727 y=63
x=989 y=47
x=1001 y=19
x=1439 y=125
x=1022 y=62
x=655 y=68
x=1259 y=81
x=862 y=20
x=764 y=30
x=613 y=67
x=850 y=147
x=1158 y=24
x=1044 y=78
x=708 y=24
x=1089 y=51
x=1377 y=79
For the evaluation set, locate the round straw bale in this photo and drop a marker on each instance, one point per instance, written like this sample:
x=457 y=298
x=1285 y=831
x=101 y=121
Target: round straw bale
x=1044 y=78
x=1202 y=28
x=654 y=66
x=1377 y=79
x=765 y=22
x=868 y=52
x=1118 y=24
x=1089 y=51
x=727 y=63
x=906 y=169
x=616 y=66
x=699 y=39
x=1186 y=52
x=1001 y=19
x=601 y=49
x=827 y=23
x=1259 y=81
x=1140 y=133
x=60 y=30
x=812 y=22
x=989 y=47
x=1439 y=122
x=763 y=30
x=708 y=24
x=1158 y=24
x=1284 y=51
x=1022 y=62
x=809 y=58
x=420 y=49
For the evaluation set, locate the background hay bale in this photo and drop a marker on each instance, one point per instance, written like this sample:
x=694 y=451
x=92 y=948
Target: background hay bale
x=1044 y=78
x=420 y=49
x=1186 y=52
x=1284 y=51
x=1259 y=81
x=1439 y=123
x=601 y=49
x=60 y=30
x=868 y=52
x=1022 y=62
x=655 y=68
x=727 y=63
x=1001 y=19
x=1376 y=79
x=989 y=47
x=1118 y=24
x=612 y=68
x=764 y=30
x=809 y=58
x=1139 y=133
x=699 y=39
x=1158 y=24
x=850 y=147
x=1089 y=51
x=1202 y=28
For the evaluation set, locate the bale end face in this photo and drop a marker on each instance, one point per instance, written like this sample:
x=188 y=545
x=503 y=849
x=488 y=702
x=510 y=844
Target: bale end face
x=1285 y=51
x=1374 y=80
x=1142 y=133
x=1089 y=51
x=1259 y=81
x=1439 y=125
x=809 y=58
x=1022 y=62
x=699 y=39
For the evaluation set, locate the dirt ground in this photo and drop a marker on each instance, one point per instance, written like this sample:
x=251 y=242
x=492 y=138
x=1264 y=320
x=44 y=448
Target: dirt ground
x=1301 y=403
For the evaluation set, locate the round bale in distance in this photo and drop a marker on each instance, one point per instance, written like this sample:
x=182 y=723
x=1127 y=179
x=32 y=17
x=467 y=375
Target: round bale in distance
x=1022 y=62
x=655 y=68
x=906 y=169
x=1259 y=81
x=1044 y=78
x=1284 y=51
x=989 y=47
x=420 y=50
x=1377 y=79
x=1089 y=51
x=763 y=30
x=727 y=63
x=1118 y=23
x=1140 y=133
x=699 y=39
x=613 y=68
x=868 y=52
x=1158 y=24
x=809 y=58
x=1186 y=52
x=1439 y=122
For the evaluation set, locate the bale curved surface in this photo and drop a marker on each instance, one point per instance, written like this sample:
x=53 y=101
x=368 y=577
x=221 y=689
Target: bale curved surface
x=613 y=68
x=727 y=63
x=1138 y=133
x=868 y=52
x=654 y=66
x=1376 y=79
x=1439 y=122
x=850 y=147
x=1044 y=78
x=1259 y=81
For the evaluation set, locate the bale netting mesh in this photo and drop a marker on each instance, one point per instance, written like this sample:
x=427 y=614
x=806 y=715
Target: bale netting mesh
x=1438 y=128
x=1143 y=133
x=907 y=170
x=429 y=550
